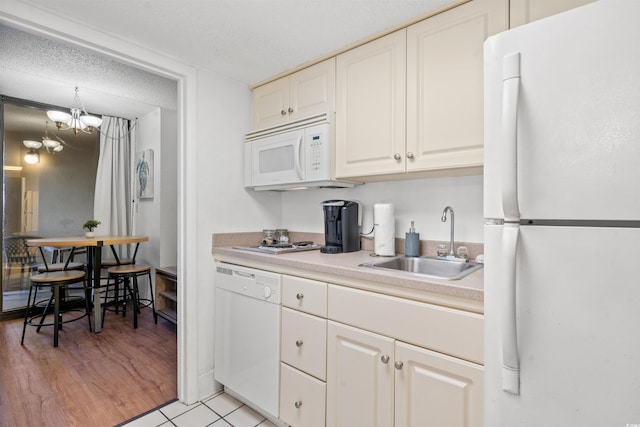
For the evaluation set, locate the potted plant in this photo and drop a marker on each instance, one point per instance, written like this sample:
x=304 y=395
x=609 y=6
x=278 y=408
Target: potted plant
x=90 y=225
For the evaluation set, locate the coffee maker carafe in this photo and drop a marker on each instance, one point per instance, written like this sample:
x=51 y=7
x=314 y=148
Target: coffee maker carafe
x=341 y=228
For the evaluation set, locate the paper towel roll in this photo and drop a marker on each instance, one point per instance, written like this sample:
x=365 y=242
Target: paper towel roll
x=385 y=229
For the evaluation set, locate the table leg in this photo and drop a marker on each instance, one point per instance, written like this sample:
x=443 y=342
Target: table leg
x=98 y=298
x=56 y=314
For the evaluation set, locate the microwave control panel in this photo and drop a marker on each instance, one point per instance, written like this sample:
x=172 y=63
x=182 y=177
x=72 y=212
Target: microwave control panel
x=317 y=151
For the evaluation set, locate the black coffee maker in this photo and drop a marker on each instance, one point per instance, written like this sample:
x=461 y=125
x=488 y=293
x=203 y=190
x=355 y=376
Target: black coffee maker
x=341 y=228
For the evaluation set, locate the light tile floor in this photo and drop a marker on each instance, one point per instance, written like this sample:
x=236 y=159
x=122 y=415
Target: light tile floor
x=220 y=410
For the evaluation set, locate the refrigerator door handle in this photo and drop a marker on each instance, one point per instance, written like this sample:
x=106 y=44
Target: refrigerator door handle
x=510 y=363
x=510 y=95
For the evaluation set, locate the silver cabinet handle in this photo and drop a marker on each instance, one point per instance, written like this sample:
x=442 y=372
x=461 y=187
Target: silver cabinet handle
x=398 y=365
x=300 y=295
x=409 y=155
x=290 y=110
x=397 y=156
x=299 y=343
x=298 y=404
x=283 y=112
x=384 y=358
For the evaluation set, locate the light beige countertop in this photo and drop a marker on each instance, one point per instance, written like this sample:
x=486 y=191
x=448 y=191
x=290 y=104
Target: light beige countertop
x=343 y=269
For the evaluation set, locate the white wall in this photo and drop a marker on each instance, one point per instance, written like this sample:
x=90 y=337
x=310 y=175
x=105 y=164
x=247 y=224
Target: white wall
x=169 y=188
x=146 y=212
x=157 y=217
x=223 y=204
x=420 y=200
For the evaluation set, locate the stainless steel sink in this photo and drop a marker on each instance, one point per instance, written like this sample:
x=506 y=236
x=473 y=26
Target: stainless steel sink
x=441 y=268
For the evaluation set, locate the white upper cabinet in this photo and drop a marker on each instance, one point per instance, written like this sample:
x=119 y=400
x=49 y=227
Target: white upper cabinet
x=525 y=11
x=412 y=101
x=301 y=94
x=445 y=96
x=370 y=110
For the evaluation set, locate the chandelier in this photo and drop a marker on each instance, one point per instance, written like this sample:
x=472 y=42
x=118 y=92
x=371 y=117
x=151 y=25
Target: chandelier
x=78 y=120
x=33 y=153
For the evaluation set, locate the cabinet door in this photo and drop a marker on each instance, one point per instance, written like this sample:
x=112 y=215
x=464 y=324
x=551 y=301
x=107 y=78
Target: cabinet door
x=359 y=377
x=270 y=104
x=313 y=90
x=432 y=389
x=370 y=109
x=524 y=11
x=445 y=85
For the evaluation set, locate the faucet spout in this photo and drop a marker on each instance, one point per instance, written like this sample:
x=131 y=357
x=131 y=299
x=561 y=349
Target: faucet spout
x=444 y=219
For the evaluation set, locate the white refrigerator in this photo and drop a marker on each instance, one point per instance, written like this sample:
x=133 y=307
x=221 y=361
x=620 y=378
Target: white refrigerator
x=562 y=220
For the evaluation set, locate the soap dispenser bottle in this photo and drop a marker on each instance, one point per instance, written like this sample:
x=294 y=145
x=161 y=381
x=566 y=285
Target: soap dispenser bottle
x=412 y=242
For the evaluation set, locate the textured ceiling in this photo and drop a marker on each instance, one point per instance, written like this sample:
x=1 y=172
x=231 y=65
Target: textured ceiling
x=248 y=40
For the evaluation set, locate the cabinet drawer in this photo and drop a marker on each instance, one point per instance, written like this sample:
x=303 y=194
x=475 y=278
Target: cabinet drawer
x=302 y=398
x=445 y=330
x=305 y=295
x=303 y=342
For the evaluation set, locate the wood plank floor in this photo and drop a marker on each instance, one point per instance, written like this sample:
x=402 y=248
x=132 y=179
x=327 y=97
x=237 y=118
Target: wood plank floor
x=90 y=379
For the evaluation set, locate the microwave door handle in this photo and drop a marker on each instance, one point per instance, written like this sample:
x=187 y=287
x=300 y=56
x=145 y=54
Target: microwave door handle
x=298 y=155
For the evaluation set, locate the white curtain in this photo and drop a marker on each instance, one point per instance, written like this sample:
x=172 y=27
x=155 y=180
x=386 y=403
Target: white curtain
x=112 y=203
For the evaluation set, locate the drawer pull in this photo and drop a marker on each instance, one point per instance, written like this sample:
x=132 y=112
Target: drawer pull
x=384 y=358
x=300 y=295
x=298 y=404
x=398 y=365
x=299 y=343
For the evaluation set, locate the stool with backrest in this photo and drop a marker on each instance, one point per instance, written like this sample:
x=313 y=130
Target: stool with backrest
x=62 y=265
x=17 y=253
x=126 y=275
x=60 y=283
x=107 y=263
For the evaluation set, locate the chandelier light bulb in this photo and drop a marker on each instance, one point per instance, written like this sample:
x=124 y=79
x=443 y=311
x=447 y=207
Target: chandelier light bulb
x=32 y=157
x=60 y=118
x=90 y=121
x=50 y=143
x=34 y=145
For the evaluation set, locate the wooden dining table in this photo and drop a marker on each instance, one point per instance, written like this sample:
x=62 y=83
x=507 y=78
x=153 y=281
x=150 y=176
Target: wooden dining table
x=94 y=247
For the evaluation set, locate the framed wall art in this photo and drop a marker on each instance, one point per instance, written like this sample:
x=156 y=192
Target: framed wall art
x=144 y=174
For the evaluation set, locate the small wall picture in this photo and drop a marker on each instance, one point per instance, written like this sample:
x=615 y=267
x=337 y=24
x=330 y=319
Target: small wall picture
x=144 y=174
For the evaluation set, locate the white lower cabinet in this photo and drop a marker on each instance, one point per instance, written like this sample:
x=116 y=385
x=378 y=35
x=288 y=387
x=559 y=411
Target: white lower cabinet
x=303 y=342
x=302 y=398
x=360 y=377
x=303 y=352
x=433 y=389
x=375 y=380
x=367 y=359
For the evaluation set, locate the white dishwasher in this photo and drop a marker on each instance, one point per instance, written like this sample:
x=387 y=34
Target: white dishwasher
x=247 y=334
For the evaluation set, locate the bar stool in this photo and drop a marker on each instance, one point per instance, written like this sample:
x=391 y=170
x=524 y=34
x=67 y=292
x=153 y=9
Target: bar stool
x=60 y=266
x=69 y=264
x=127 y=276
x=58 y=282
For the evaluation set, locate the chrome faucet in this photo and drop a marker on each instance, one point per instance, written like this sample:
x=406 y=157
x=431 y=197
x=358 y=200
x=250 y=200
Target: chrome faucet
x=444 y=219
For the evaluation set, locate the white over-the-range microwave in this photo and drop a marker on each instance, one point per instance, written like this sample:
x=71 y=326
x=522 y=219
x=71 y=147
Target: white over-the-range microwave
x=293 y=156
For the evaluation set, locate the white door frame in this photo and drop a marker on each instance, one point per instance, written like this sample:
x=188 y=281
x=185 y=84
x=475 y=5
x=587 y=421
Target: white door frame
x=27 y=18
